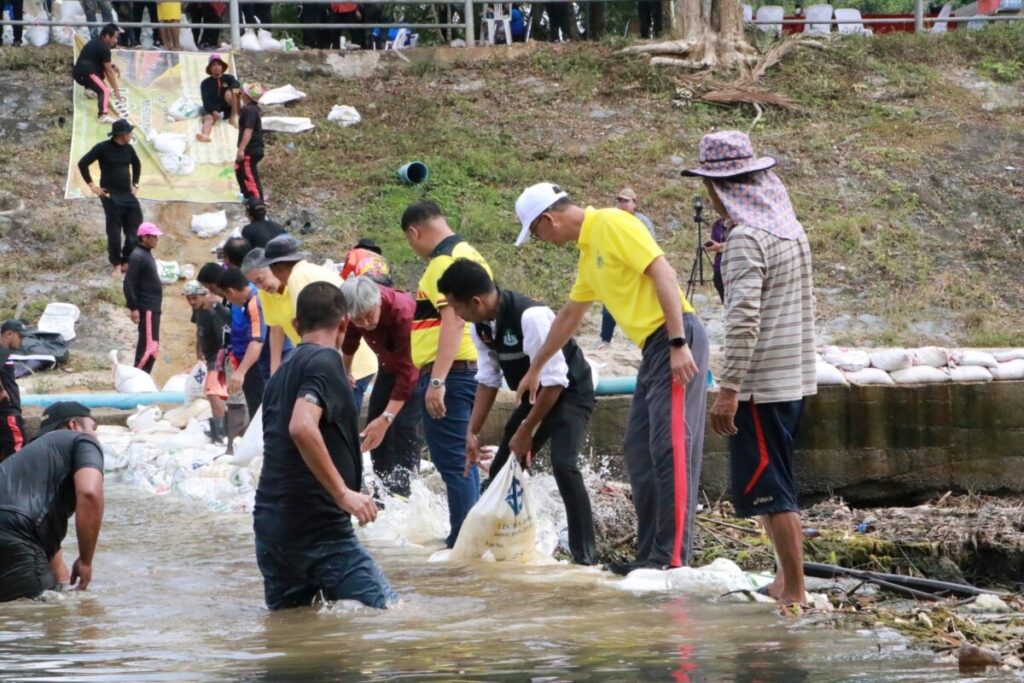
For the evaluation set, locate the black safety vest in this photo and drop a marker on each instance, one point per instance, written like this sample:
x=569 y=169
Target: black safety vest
x=507 y=343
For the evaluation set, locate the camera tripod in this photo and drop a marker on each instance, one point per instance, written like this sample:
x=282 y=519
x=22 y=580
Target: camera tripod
x=701 y=253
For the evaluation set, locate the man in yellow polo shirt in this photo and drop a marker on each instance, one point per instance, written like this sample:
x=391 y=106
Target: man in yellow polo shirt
x=280 y=272
x=446 y=357
x=621 y=266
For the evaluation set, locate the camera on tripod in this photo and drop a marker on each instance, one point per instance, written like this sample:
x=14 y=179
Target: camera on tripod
x=697 y=269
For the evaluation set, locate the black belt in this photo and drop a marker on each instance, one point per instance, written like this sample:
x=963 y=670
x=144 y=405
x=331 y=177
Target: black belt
x=456 y=365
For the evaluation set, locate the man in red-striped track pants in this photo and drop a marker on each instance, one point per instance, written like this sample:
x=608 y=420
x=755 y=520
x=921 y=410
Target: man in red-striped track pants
x=143 y=293
x=250 y=143
x=95 y=71
x=622 y=266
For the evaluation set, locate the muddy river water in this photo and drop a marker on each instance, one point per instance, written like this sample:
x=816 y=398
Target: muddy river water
x=176 y=596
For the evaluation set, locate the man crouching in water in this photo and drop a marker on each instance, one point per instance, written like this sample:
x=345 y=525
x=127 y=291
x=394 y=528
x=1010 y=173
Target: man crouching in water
x=312 y=471
x=58 y=475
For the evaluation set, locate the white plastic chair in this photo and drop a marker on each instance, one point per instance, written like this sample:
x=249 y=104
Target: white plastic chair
x=852 y=15
x=941 y=26
x=401 y=40
x=493 y=15
x=815 y=15
x=770 y=13
x=748 y=14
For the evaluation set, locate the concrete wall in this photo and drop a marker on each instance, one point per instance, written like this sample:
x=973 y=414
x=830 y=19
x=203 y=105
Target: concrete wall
x=871 y=444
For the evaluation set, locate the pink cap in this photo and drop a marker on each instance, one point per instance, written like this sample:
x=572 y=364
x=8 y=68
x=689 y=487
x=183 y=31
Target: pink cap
x=149 y=229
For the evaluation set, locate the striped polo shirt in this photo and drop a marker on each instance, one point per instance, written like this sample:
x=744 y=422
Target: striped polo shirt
x=769 y=327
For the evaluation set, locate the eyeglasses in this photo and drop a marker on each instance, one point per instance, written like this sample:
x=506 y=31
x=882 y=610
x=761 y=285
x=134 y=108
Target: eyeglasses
x=536 y=223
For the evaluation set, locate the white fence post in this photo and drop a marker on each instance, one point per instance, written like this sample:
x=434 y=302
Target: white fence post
x=236 y=32
x=468 y=11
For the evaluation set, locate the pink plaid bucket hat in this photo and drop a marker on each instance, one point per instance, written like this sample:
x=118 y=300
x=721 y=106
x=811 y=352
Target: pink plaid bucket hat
x=727 y=154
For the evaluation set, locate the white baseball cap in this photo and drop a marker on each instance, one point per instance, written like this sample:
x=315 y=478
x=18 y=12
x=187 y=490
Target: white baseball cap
x=535 y=200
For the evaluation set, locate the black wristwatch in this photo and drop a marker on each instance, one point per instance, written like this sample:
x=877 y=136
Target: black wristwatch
x=677 y=342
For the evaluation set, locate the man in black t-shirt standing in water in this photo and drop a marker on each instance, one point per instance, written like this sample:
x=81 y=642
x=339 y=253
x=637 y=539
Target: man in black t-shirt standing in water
x=94 y=65
x=250 y=142
x=312 y=471
x=58 y=475
x=120 y=170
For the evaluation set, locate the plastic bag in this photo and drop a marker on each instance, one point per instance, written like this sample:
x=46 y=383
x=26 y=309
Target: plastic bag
x=178 y=164
x=869 y=376
x=972 y=357
x=502 y=522
x=170 y=143
x=1003 y=355
x=970 y=373
x=267 y=40
x=344 y=115
x=195 y=382
x=209 y=224
x=829 y=374
x=850 y=360
x=59 y=318
x=932 y=356
x=184 y=109
x=1011 y=369
x=282 y=95
x=251 y=445
x=919 y=374
x=169 y=271
x=144 y=418
x=250 y=41
x=287 y=124
x=129 y=380
x=891 y=359
x=187 y=40
x=176 y=383
x=184 y=415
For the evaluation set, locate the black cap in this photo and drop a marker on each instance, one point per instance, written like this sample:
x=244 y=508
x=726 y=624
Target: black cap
x=61 y=412
x=282 y=249
x=120 y=126
x=13 y=325
x=253 y=203
x=369 y=245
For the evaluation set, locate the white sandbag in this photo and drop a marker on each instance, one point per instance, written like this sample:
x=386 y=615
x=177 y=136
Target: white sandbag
x=37 y=36
x=344 y=115
x=60 y=318
x=144 y=418
x=181 y=417
x=176 y=383
x=187 y=40
x=195 y=382
x=869 y=376
x=501 y=522
x=282 y=95
x=891 y=359
x=250 y=41
x=184 y=109
x=970 y=373
x=170 y=143
x=1011 y=369
x=178 y=164
x=267 y=41
x=129 y=380
x=168 y=271
x=251 y=444
x=287 y=124
x=850 y=360
x=919 y=374
x=972 y=357
x=932 y=356
x=720 y=577
x=829 y=374
x=1003 y=355
x=209 y=224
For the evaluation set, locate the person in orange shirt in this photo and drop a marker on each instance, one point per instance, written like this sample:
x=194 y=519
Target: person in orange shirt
x=365 y=259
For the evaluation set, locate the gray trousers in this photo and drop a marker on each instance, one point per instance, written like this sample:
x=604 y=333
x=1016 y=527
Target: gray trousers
x=664 y=448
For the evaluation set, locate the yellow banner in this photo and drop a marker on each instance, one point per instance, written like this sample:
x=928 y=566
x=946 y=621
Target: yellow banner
x=158 y=88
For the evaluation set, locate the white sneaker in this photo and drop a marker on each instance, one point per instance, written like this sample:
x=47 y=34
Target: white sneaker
x=106 y=118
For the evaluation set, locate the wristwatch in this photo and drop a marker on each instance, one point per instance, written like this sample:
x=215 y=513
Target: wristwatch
x=677 y=342
x=389 y=416
x=436 y=383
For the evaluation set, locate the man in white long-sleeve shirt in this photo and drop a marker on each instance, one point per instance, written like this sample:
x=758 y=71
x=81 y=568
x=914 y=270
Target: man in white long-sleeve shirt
x=769 y=344
x=508 y=329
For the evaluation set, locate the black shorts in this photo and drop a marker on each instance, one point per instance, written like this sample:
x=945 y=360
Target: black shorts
x=761 y=458
x=224 y=111
x=24 y=570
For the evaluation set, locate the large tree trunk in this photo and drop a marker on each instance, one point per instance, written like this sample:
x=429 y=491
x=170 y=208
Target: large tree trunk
x=702 y=41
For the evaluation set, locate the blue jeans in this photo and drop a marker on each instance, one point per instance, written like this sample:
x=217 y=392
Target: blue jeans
x=446 y=440
x=607 y=325
x=359 y=391
x=294 y=573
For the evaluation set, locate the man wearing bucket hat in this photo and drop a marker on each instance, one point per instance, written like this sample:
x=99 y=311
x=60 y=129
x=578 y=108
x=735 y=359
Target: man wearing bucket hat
x=769 y=349
x=621 y=266
x=58 y=475
x=143 y=294
x=210 y=317
x=120 y=171
x=250 y=142
x=221 y=93
x=12 y=428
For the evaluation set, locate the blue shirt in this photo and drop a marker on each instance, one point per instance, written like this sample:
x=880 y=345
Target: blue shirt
x=248 y=325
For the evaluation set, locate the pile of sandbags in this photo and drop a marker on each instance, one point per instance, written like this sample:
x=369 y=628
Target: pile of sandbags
x=923 y=365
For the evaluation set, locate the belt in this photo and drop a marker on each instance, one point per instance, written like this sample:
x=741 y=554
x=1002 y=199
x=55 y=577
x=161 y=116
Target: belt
x=456 y=365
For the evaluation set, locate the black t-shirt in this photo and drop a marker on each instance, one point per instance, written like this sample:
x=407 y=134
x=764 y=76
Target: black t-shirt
x=120 y=166
x=92 y=58
x=9 y=384
x=210 y=324
x=37 y=486
x=262 y=231
x=212 y=92
x=250 y=117
x=290 y=503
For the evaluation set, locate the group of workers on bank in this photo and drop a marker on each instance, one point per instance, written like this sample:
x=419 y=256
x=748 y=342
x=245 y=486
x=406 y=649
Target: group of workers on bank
x=444 y=352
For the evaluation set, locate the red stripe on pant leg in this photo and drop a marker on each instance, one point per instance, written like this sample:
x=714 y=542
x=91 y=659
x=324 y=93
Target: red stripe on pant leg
x=152 y=346
x=679 y=469
x=250 y=180
x=762 y=449
x=16 y=435
x=104 y=93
